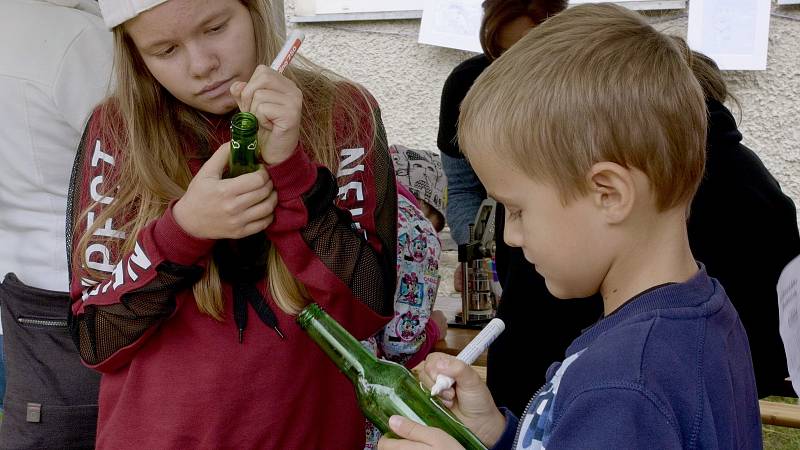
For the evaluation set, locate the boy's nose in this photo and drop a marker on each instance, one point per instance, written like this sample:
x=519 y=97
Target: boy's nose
x=512 y=234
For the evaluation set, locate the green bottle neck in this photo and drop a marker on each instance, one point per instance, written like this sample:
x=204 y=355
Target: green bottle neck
x=244 y=125
x=341 y=347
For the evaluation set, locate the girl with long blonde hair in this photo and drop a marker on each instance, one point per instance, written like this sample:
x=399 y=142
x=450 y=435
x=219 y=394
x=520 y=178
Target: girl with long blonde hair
x=185 y=281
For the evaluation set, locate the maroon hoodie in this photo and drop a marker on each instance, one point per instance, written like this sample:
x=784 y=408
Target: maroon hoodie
x=176 y=378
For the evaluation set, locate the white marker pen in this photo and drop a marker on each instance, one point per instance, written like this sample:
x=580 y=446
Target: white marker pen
x=471 y=352
x=288 y=51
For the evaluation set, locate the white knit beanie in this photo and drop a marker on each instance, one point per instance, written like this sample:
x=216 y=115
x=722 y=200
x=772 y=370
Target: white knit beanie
x=116 y=12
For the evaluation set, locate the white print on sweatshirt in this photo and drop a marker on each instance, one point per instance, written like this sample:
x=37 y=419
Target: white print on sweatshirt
x=350 y=165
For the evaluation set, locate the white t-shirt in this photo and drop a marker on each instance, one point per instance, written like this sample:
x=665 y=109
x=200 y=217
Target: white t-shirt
x=789 y=315
x=55 y=67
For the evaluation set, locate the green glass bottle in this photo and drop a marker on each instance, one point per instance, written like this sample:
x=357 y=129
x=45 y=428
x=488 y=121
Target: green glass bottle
x=383 y=388
x=244 y=145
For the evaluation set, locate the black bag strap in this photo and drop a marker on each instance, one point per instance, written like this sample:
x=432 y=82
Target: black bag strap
x=73 y=195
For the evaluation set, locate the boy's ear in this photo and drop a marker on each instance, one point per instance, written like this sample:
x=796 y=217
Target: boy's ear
x=612 y=189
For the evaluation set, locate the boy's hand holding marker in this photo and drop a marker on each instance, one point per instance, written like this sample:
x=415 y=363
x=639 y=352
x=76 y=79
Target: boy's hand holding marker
x=277 y=103
x=469 y=399
x=461 y=390
x=470 y=353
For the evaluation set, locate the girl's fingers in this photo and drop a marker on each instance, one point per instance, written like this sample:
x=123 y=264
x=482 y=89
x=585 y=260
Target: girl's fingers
x=255 y=227
x=236 y=91
x=261 y=210
x=279 y=117
x=246 y=97
x=286 y=100
x=252 y=198
x=265 y=78
x=216 y=165
x=248 y=182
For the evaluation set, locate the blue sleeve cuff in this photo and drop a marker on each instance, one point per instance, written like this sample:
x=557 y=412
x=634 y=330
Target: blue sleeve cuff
x=506 y=440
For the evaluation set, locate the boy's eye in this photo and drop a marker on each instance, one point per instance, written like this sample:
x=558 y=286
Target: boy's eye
x=514 y=214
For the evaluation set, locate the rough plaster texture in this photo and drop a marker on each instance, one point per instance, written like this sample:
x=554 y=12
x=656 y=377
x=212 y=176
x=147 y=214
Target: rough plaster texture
x=407 y=78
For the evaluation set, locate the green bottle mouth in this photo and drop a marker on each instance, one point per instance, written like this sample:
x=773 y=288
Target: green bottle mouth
x=308 y=314
x=244 y=122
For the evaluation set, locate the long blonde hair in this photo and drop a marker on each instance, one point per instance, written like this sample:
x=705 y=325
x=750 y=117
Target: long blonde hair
x=154 y=169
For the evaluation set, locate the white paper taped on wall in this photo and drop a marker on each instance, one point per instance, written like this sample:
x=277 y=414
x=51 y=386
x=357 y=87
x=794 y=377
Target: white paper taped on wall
x=361 y=6
x=452 y=24
x=734 y=33
x=789 y=313
x=456 y=23
x=310 y=7
x=640 y=4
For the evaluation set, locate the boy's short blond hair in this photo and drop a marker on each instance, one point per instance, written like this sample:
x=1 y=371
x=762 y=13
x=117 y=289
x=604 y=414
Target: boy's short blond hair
x=594 y=83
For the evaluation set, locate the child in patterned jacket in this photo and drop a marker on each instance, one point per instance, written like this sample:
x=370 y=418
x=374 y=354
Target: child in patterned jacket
x=416 y=326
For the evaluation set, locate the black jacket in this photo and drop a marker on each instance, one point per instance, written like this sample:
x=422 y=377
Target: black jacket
x=745 y=231
x=455 y=89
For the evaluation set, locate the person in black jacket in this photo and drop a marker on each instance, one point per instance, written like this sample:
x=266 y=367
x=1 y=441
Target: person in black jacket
x=744 y=229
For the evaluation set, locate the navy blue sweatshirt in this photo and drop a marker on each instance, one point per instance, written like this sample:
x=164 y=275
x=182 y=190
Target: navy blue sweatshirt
x=670 y=369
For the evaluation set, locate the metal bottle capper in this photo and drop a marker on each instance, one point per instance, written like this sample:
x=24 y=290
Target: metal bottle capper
x=478 y=302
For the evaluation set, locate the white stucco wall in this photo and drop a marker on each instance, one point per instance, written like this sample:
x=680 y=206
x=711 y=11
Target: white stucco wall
x=407 y=78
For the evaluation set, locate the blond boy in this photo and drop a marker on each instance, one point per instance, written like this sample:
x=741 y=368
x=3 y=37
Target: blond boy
x=591 y=130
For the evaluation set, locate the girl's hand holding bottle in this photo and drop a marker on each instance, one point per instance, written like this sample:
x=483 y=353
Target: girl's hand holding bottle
x=469 y=399
x=277 y=103
x=233 y=208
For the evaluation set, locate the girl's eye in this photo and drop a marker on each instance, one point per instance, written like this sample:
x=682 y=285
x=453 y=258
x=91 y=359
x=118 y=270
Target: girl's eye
x=216 y=28
x=166 y=52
